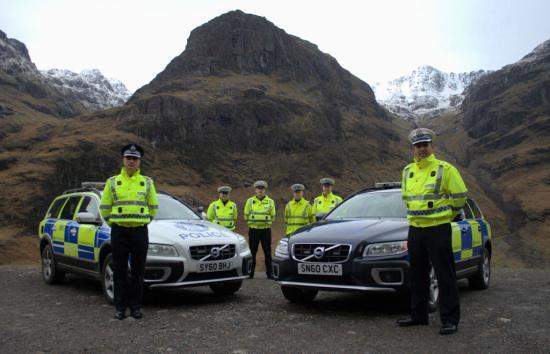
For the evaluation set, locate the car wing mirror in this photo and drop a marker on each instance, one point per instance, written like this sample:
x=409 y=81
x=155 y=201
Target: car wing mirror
x=88 y=218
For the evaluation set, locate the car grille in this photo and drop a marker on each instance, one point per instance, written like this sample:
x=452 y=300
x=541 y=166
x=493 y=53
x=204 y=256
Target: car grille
x=331 y=252
x=205 y=252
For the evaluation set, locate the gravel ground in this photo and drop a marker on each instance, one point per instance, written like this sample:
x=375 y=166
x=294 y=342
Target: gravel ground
x=512 y=316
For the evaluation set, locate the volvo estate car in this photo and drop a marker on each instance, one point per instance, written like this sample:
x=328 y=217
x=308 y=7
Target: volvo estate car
x=184 y=250
x=361 y=245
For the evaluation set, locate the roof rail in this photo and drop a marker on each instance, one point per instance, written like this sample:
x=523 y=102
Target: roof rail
x=94 y=187
x=387 y=185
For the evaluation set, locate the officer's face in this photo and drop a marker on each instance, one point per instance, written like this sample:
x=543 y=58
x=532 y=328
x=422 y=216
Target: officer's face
x=423 y=150
x=298 y=195
x=260 y=191
x=131 y=163
x=224 y=196
x=327 y=188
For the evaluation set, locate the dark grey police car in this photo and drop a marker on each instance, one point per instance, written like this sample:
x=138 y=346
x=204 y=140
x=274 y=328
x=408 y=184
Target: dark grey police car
x=361 y=245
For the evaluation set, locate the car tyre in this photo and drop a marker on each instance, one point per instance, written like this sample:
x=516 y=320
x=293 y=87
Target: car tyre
x=107 y=279
x=482 y=278
x=226 y=288
x=299 y=295
x=50 y=273
x=433 y=298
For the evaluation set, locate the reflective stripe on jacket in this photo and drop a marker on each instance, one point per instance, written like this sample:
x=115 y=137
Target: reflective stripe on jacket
x=259 y=214
x=297 y=214
x=129 y=200
x=222 y=214
x=323 y=204
x=433 y=192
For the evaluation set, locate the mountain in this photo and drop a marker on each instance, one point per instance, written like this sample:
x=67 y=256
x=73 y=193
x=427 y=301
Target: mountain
x=502 y=134
x=245 y=86
x=426 y=92
x=89 y=87
x=24 y=89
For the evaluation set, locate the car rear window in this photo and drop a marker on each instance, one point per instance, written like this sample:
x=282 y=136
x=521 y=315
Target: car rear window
x=69 y=209
x=54 y=209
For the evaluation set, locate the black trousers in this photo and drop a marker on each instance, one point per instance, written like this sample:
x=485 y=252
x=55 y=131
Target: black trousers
x=433 y=244
x=255 y=236
x=131 y=242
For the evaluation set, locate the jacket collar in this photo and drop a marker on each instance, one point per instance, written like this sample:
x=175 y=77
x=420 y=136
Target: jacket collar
x=425 y=162
x=328 y=195
x=125 y=174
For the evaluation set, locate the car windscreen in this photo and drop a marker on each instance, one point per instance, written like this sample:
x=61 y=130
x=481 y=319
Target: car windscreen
x=173 y=209
x=371 y=205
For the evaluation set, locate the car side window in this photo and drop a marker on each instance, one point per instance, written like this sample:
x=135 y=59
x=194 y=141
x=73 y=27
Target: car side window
x=70 y=207
x=89 y=205
x=475 y=209
x=54 y=209
x=467 y=212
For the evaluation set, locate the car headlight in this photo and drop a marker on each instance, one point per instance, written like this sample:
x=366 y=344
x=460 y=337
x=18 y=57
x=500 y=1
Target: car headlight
x=385 y=248
x=162 y=250
x=282 y=249
x=243 y=245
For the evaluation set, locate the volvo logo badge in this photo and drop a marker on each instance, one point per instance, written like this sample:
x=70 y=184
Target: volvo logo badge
x=215 y=252
x=319 y=252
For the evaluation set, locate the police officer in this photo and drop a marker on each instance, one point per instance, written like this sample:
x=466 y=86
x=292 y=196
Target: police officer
x=128 y=203
x=326 y=201
x=223 y=211
x=298 y=211
x=434 y=193
x=259 y=213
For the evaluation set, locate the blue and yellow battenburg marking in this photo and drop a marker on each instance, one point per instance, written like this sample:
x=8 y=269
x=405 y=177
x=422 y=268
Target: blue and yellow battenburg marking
x=71 y=239
x=468 y=238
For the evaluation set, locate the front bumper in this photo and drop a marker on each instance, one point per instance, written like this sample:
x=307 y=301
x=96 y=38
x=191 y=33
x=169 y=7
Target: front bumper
x=178 y=272
x=359 y=274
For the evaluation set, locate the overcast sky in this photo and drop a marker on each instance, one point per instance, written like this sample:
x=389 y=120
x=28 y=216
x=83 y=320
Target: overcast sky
x=133 y=40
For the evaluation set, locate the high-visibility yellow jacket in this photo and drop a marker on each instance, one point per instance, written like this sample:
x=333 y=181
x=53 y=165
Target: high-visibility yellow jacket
x=297 y=214
x=433 y=192
x=259 y=214
x=221 y=213
x=323 y=204
x=129 y=200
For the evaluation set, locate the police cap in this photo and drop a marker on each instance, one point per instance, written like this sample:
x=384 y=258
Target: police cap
x=421 y=135
x=297 y=187
x=260 y=184
x=132 y=150
x=327 y=181
x=223 y=189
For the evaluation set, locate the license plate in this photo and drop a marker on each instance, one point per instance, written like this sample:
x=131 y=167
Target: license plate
x=319 y=269
x=205 y=267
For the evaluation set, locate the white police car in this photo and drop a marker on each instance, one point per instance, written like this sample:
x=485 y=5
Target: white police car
x=184 y=250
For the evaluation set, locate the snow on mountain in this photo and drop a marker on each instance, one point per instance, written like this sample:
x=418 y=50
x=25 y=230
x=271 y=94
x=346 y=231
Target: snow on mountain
x=90 y=87
x=425 y=92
